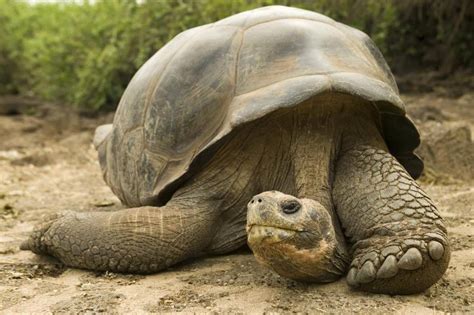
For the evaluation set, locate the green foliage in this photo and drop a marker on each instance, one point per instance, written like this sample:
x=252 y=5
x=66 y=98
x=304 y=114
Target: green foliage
x=13 y=28
x=438 y=34
x=85 y=54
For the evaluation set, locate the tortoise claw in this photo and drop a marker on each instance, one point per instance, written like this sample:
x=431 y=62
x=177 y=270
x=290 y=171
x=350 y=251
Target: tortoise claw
x=351 y=277
x=366 y=274
x=411 y=260
x=389 y=268
x=436 y=250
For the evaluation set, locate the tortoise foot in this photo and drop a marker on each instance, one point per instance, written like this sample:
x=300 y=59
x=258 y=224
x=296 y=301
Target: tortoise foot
x=39 y=239
x=399 y=266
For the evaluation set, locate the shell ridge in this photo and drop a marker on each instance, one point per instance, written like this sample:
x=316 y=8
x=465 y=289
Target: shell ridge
x=326 y=73
x=288 y=18
x=329 y=21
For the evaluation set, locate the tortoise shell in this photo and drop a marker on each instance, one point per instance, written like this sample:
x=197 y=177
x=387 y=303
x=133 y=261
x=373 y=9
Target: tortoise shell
x=211 y=79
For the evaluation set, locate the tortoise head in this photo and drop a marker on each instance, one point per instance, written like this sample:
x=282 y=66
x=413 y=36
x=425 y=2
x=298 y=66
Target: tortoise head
x=294 y=237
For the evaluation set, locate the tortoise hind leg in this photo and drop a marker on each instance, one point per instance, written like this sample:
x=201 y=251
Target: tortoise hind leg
x=399 y=241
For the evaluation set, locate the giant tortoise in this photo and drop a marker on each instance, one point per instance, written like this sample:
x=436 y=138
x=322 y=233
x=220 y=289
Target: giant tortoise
x=278 y=127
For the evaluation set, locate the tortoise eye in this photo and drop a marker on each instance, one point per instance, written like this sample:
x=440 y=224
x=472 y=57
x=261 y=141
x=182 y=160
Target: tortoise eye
x=290 y=206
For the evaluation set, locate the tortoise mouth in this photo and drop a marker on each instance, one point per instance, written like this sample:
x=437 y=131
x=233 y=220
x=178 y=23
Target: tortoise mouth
x=252 y=226
x=269 y=234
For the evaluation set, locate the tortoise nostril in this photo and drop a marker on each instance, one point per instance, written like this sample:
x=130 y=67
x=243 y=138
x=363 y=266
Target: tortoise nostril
x=290 y=206
x=253 y=201
x=259 y=200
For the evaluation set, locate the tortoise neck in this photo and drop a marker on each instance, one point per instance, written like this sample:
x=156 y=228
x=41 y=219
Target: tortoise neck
x=314 y=147
x=318 y=129
x=360 y=125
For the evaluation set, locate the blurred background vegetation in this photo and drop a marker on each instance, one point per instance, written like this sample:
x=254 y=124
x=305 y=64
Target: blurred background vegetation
x=84 y=54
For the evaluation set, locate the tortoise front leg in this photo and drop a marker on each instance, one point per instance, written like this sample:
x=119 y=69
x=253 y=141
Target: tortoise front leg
x=137 y=240
x=399 y=240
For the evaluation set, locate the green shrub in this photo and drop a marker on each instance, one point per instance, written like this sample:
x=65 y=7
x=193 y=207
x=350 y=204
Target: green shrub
x=85 y=54
x=13 y=29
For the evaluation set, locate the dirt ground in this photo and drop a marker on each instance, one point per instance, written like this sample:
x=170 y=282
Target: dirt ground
x=47 y=164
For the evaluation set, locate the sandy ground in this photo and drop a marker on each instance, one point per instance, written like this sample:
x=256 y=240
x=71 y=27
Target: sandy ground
x=47 y=164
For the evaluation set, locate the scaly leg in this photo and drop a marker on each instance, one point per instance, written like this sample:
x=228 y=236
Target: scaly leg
x=399 y=240
x=137 y=240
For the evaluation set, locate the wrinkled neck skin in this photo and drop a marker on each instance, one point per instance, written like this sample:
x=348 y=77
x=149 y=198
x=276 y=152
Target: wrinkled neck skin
x=319 y=129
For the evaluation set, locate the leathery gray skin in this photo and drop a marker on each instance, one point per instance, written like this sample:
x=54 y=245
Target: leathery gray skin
x=324 y=198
